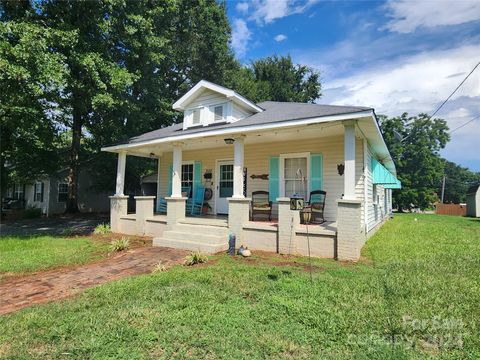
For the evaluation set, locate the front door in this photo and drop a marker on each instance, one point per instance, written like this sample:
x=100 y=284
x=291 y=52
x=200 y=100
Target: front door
x=224 y=185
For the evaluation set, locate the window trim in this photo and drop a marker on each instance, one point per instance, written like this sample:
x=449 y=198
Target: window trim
x=189 y=162
x=40 y=184
x=58 y=191
x=212 y=107
x=15 y=191
x=189 y=117
x=282 y=171
x=375 y=196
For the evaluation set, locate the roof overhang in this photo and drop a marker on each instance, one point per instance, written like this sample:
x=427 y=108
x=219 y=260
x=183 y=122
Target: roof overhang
x=182 y=103
x=366 y=123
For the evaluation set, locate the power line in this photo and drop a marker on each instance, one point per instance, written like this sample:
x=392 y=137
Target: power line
x=468 y=122
x=454 y=91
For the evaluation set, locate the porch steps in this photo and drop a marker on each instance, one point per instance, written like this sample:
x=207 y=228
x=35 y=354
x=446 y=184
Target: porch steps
x=208 y=239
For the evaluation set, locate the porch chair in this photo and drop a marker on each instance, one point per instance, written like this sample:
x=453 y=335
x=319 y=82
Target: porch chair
x=261 y=204
x=162 y=206
x=317 y=204
x=197 y=201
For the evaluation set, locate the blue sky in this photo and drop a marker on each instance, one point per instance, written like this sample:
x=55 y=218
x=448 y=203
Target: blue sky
x=396 y=56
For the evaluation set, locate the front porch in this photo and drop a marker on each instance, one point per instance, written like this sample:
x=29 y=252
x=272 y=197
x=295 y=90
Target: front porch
x=210 y=233
x=262 y=161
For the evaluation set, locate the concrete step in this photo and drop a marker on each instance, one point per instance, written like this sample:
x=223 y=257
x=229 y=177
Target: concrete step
x=198 y=237
x=200 y=229
x=204 y=247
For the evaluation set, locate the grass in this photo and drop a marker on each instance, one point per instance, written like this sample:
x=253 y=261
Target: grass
x=414 y=295
x=23 y=254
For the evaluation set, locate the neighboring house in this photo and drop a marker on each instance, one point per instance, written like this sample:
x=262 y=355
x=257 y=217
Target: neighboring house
x=50 y=194
x=234 y=147
x=473 y=201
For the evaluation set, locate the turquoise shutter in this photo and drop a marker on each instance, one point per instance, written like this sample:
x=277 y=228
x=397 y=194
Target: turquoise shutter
x=197 y=176
x=170 y=174
x=316 y=172
x=274 y=178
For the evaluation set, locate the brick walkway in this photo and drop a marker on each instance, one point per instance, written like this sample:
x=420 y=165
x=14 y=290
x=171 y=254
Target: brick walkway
x=42 y=287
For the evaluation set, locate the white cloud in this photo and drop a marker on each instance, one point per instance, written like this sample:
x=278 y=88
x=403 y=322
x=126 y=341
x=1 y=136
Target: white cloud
x=280 y=38
x=242 y=7
x=419 y=83
x=406 y=15
x=267 y=11
x=240 y=37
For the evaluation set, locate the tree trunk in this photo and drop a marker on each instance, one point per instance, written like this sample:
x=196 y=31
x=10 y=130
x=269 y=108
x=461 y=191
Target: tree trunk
x=72 y=179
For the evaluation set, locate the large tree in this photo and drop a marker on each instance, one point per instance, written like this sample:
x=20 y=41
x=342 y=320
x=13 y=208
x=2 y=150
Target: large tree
x=124 y=65
x=31 y=79
x=276 y=78
x=414 y=143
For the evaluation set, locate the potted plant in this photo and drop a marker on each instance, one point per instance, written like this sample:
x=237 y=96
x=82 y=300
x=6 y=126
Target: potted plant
x=206 y=208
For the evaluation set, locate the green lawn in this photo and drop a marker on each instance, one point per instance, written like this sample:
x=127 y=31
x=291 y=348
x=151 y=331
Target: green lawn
x=416 y=294
x=22 y=254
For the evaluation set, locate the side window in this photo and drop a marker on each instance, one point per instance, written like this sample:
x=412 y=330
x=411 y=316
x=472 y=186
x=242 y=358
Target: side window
x=62 y=192
x=375 y=195
x=18 y=193
x=38 y=194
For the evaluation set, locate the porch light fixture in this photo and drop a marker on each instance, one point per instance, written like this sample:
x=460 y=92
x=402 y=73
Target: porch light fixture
x=340 y=169
x=229 y=141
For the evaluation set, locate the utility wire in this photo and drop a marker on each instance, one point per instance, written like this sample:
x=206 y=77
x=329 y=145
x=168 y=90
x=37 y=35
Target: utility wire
x=454 y=91
x=448 y=98
x=468 y=122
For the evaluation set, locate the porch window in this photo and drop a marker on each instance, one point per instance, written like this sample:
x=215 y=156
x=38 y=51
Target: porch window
x=62 y=192
x=295 y=176
x=187 y=176
x=38 y=194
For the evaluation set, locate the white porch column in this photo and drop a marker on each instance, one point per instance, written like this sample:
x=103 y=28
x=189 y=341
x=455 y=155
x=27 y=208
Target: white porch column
x=238 y=168
x=157 y=206
x=349 y=149
x=177 y=171
x=122 y=160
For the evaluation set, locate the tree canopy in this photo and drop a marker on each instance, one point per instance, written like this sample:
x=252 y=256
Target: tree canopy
x=416 y=156
x=457 y=181
x=101 y=71
x=84 y=74
x=276 y=78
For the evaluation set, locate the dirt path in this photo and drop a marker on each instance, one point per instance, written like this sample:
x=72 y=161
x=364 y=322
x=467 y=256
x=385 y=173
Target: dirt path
x=38 y=288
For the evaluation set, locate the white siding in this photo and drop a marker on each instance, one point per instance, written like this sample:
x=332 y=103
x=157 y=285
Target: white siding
x=257 y=158
x=239 y=113
x=207 y=97
x=375 y=213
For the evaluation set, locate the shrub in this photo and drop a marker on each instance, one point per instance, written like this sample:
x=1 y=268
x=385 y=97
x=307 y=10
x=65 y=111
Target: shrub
x=119 y=244
x=32 y=212
x=159 y=267
x=102 y=229
x=195 y=257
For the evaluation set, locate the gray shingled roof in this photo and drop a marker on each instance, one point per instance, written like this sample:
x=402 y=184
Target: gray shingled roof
x=274 y=112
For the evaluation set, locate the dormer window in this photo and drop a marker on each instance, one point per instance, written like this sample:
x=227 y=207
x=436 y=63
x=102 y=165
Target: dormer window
x=218 y=111
x=196 y=116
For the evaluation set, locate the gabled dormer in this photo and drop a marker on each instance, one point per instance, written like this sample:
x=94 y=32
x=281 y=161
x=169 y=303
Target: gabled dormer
x=210 y=104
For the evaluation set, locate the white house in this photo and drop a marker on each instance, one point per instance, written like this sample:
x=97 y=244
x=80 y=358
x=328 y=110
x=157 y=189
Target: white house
x=233 y=147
